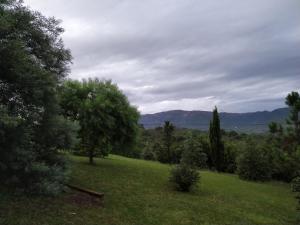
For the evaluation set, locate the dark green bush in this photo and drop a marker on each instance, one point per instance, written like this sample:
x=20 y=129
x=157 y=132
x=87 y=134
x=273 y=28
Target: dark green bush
x=230 y=155
x=285 y=164
x=51 y=180
x=253 y=164
x=161 y=153
x=184 y=177
x=296 y=189
x=148 y=153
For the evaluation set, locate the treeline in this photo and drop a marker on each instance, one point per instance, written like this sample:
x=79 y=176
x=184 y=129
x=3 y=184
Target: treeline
x=260 y=157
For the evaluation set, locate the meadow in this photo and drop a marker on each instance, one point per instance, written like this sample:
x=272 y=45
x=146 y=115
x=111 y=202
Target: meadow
x=138 y=192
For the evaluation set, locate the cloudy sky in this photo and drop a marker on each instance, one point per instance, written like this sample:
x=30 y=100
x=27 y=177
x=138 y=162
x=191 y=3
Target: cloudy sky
x=185 y=54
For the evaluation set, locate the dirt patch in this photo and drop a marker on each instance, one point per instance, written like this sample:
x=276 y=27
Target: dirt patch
x=83 y=199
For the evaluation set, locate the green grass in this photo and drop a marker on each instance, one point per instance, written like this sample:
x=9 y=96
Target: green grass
x=138 y=192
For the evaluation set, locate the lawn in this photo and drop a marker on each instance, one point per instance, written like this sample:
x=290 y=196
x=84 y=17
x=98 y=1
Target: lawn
x=138 y=192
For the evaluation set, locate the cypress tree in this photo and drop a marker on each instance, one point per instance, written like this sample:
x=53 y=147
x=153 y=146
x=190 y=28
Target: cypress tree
x=216 y=144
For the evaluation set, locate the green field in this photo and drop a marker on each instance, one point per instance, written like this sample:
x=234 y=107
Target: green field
x=138 y=192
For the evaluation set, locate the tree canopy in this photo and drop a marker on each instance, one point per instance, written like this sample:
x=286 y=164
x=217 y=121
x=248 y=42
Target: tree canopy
x=33 y=63
x=106 y=118
x=216 y=144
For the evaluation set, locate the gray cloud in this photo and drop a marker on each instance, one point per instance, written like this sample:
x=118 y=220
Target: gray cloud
x=187 y=54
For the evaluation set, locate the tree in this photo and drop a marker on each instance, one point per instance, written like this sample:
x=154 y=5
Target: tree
x=168 y=132
x=165 y=152
x=194 y=152
x=106 y=118
x=284 y=142
x=33 y=63
x=253 y=163
x=293 y=101
x=216 y=144
x=230 y=155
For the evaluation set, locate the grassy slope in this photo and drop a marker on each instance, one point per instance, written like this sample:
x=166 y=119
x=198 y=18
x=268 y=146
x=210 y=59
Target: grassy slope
x=138 y=192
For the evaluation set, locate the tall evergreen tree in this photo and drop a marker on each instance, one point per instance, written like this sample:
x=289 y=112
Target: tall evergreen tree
x=216 y=144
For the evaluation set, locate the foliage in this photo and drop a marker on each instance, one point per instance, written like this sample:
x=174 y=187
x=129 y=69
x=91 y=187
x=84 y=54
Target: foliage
x=284 y=164
x=184 y=177
x=165 y=148
x=293 y=101
x=106 y=118
x=216 y=144
x=161 y=153
x=296 y=189
x=168 y=138
x=149 y=152
x=33 y=63
x=253 y=164
x=285 y=142
x=194 y=152
x=230 y=157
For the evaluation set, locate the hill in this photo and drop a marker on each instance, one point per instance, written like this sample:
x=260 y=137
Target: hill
x=241 y=122
x=138 y=192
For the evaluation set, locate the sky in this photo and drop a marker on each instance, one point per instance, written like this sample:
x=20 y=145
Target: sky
x=240 y=56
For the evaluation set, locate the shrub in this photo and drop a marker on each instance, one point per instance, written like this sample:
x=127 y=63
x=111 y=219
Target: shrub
x=253 y=164
x=51 y=180
x=184 y=177
x=148 y=153
x=160 y=152
x=285 y=164
x=296 y=189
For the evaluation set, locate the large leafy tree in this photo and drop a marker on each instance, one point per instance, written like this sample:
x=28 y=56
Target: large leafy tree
x=216 y=144
x=33 y=63
x=285 y=142
x=106 y=118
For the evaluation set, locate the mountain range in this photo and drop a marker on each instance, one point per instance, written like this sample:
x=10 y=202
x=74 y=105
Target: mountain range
x=241 y=122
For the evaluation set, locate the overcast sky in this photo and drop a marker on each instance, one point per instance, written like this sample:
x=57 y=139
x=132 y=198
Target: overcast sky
x=185 y=54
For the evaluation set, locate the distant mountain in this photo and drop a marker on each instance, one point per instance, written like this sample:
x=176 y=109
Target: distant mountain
x=242 y=122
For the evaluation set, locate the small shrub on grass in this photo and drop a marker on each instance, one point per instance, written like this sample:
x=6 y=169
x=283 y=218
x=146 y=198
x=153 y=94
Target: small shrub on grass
x=184 y=177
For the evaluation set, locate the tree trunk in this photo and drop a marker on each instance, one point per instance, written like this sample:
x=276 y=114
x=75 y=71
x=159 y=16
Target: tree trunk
x=91 y=157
